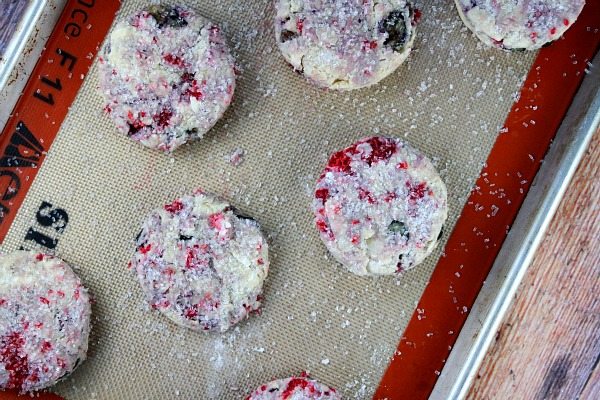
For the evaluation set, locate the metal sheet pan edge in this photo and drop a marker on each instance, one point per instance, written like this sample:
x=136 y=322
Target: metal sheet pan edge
x=24 y=50
x=541 y=203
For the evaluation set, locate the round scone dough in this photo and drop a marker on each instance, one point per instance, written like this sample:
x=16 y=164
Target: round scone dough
x=345 y=44
x=294 y=388
x=202 y=263
x=44 y=320
x=380 y=206
x=519 y=24
x=167 y=76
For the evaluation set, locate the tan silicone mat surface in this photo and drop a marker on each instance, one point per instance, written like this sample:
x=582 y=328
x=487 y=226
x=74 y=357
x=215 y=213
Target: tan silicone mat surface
x=450 y=100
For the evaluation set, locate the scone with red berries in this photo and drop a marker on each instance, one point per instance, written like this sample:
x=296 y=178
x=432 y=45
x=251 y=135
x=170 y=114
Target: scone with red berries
x=44 y=320
x=519 y=24
x=167 y=76
x=294 y=388
x=345 y=44
x=379 y=206
x=201 y=263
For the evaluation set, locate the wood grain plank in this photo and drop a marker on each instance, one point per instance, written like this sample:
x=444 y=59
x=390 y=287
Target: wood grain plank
x=12 y=11
x=549 y=342
x=591 y=391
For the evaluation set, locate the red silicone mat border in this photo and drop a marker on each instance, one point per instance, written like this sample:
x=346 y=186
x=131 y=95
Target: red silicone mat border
x=45 y=101
x=490 y=210
x=475 y=241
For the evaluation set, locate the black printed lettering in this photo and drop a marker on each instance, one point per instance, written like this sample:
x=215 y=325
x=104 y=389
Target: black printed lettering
x=9 y=185
x=72 y=29
x=49 y=99
x=41 y=239
x=3 y=211
x=23 y=151
x=53 y=84
x=79 y=11
x=66 y=57
x=52 y=217
x=47 y=216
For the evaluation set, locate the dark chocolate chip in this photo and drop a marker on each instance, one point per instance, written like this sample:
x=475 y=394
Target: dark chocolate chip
x=273 y=390
x=61 y=324
x=167 y=16
x=298 y=71
x=237 y=213
x=242 y=216
x=395 y=27
x=187 y=77
x=399 y=267
x=184 y=237
x=398 y=228
x=287 y=35
x=137 y=240
x=336 y=81
x=133 y=129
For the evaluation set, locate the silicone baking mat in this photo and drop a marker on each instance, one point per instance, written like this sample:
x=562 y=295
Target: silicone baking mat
x=450 y=100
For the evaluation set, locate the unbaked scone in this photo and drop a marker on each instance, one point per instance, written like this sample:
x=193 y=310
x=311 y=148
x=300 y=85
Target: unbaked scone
x=379 y=206
x=519 y=24
x=345 y=44
x=167 y=76
x=294 y=388
x=201 y=263
x=44 y=320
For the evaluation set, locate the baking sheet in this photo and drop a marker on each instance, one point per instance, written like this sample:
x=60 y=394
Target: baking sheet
x=449 y=100
x=527 y=232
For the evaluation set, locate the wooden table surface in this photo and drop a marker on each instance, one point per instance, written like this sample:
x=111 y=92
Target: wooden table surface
x=12 y=10
x=548 y=345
